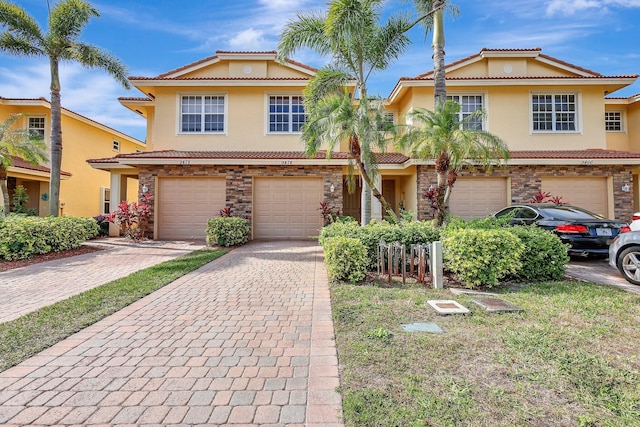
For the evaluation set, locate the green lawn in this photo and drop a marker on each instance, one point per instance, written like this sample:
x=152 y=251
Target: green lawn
x=32 y=333
x=572 y=358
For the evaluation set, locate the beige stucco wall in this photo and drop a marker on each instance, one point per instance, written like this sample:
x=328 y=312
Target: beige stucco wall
x=246 y=122
x=633 y=128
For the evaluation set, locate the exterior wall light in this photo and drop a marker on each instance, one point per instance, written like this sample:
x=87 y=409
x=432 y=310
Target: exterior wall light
x=626 y=188
x=332 y=188
x=145 y=188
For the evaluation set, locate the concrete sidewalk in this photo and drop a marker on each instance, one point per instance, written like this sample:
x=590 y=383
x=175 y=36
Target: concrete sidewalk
x=245 y=340
x=29 y=288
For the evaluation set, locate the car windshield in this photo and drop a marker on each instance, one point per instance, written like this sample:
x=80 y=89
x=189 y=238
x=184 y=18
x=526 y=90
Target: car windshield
x=569 y=212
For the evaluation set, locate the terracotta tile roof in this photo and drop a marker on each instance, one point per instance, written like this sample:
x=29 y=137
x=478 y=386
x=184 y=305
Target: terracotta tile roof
x=221 y=78
x=17 y=162
x=630 y=76
x=387 y=158
x=133 y=98
x=588 y=154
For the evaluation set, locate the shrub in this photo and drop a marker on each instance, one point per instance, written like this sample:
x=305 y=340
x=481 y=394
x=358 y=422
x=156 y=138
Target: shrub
x=227 y=231
x=103 y=225
x=132 y=217
x=346 y=259
x=22 y=237
x=482 y=256
x=544 y=256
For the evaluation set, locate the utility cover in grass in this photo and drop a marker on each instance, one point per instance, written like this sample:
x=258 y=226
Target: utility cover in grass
x=421 y=327
x=496 y=305
x=447 y=306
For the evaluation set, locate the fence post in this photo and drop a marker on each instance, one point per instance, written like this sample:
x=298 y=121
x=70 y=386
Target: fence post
x=436 y=265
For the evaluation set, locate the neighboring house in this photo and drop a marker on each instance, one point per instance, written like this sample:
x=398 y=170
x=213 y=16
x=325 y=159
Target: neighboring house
x=84 y=191
x=225 y=132
x=565 y=138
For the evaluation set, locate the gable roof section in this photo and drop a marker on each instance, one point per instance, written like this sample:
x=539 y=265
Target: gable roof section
x=43 y=102
x=574 y=74
x=20 y=165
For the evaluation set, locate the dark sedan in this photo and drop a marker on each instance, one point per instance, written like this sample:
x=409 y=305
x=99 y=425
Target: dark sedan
x=587 y=233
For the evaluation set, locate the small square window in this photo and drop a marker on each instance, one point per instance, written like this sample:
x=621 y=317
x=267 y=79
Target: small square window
x=36 y=126
x=116 y=145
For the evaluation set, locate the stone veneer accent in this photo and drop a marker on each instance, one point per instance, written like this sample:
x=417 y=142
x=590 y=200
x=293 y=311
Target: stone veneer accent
x=526 y=181
x=239 y=182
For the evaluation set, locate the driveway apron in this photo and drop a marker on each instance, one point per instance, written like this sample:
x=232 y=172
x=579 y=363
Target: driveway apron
x=247 y=339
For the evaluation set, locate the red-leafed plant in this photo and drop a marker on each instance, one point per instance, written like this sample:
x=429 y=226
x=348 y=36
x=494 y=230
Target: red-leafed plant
x=225 y=212
x=132 y=217
x=327 y=213
x=541 y=197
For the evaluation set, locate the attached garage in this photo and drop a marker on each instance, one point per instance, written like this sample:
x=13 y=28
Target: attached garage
x=478 y=197
x=586 y=192
x=286 y=208
x=185 y=204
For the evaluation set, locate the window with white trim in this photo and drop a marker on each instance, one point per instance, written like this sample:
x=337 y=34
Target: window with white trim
x=105 y=200
x=202 y=113
x=468 y=105
x=116 y=145
x=36 y=126
x=286 y=114
x=554 y=112
x=613 y=121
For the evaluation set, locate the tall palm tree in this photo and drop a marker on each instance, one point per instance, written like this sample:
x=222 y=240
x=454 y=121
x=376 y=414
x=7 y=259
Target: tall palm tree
x=18 y=143
x=24 y=37
x=454 y=143
x=350 y=34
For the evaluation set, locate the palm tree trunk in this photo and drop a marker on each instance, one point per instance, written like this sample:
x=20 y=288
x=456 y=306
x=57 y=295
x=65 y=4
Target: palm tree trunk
x=354 y=148
x=56 y=140
x=440 y=86
x=4 y=190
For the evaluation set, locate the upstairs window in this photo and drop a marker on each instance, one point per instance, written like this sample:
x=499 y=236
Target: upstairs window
x=286 y=113
x=613 y=121
x=468 y=105
x=202 y=114
x=554 y=113
x=116 y=145
x=36 y=126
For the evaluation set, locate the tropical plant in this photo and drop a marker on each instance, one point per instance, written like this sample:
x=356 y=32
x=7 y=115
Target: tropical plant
x=18 y=143
x=454 y=144
x=132 y=217
x=350 y=33
x=24 y=37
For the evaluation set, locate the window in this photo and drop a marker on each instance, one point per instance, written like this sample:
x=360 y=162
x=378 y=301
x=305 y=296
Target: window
x=554 y=112
x=116 y=145
x=105 y=200
x=387 y=121
x=202 y=114
x=286 y=113
x=613 y=121
x=468 y=105
x=36 y=126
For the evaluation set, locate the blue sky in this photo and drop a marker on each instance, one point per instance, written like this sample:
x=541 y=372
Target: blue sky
x=154 y=36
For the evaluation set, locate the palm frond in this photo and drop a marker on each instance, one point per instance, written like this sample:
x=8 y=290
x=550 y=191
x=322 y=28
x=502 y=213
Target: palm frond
x=306 y=30
x=17 y=45
x=68 y=19
x=20 y=143
x=95 y=57
x=20 y=23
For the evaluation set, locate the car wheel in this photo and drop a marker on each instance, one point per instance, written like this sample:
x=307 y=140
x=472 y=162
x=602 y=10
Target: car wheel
x=629 y=264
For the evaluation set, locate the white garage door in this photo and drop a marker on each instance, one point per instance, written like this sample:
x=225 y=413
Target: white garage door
x=586 y=192
x=286 y=208
x=478 y=197
x=185 y=205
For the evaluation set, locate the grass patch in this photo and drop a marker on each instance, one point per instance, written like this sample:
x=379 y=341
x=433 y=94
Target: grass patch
x=570 y=359
x=23 y=337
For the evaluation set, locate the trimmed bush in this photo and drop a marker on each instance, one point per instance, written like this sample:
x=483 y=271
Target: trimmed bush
x=482 y=257
x=544 y=256
x=22 y=237
x=346 y=259
x=227 y=231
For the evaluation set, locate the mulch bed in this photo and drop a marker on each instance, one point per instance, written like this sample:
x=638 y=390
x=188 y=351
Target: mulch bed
x=10 y=265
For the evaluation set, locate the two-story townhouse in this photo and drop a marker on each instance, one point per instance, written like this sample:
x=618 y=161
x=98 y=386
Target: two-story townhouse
x=84 y=191
x=225 y=132
x=558 y=126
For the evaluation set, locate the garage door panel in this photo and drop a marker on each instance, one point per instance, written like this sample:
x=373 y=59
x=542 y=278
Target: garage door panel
x=185 y=205
x=478 y=197
x=586 y=192
x=287 y=208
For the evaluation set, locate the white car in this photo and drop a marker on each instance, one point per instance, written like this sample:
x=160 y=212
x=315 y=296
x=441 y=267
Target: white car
x=635 y=222
x=624 y=254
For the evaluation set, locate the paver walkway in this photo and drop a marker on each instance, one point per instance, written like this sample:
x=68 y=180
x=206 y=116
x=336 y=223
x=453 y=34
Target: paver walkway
x=29 y=288
x=245 y=340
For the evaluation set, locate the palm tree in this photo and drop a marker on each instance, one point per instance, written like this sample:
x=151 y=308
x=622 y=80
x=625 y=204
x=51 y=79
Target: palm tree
x=349 y=33
x=18 y=143
x=23 y=37
x=454 y=144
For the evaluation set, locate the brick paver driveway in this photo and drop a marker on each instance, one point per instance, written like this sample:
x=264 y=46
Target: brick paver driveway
x=247 y=339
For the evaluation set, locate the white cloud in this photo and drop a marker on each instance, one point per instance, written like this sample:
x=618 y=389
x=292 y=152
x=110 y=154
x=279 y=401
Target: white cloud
x=250 y=39
x=570 y=7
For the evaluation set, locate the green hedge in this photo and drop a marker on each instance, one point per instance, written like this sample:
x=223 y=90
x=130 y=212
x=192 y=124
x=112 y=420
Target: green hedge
x=346 y=259
x=22 y=237
x=545 y=256
x=227 y=231
x=482 y=256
